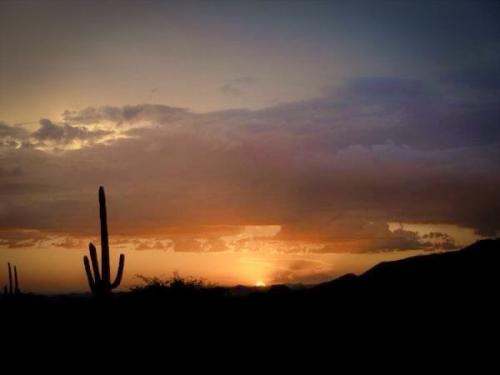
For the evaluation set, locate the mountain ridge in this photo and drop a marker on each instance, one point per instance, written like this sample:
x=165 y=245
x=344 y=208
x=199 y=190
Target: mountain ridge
x=473 y=265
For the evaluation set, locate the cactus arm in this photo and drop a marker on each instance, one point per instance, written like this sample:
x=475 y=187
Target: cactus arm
x=95 y=263
x=119 y=274
x=10 y=278
x=105 y=275
x=92 y=284
x=16 y=281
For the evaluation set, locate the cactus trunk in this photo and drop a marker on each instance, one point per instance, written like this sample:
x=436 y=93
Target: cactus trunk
x=11 y=291
x=100 y=283
x=106 y=272
x=16 y=281
x=13 y=287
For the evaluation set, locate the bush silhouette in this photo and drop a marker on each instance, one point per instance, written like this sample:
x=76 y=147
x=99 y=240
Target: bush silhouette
x=175 y=285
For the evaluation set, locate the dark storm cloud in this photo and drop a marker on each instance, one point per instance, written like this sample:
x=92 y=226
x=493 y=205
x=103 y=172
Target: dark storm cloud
x=7 y=130
x=49 y=131
x=331 y=171
x=415 y=113
x=385 y=240
x=65 y=133
x=364 y=111
x=12 y=136
x=126 y=114
x=370 y=111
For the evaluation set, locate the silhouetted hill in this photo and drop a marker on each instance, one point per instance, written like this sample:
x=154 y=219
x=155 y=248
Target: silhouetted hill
x=472 y=268
x=455 y=288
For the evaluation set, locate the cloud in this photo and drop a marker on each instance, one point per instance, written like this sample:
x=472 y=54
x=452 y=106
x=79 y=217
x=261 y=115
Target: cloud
x=12 y=136
x=49 y=131
x=152 y=244
x=130 y=114
x=23 y=238
x=212 y=245
x=301 y=271
x=12 y=131
x=64 y=134
x=50 y=136
x=440 y=241
x=188 y=245
x=71 y=243
x=331 y=171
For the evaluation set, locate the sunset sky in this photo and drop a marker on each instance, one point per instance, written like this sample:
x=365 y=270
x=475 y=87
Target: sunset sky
x=245 y=142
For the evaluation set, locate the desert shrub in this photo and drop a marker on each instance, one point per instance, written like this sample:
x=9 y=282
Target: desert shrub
x=174 y=286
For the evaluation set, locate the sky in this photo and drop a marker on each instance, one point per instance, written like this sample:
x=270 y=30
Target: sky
x=245 y=142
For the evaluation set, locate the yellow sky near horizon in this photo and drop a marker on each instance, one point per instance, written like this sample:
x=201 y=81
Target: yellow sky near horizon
x=48 y=268
x=61 y=270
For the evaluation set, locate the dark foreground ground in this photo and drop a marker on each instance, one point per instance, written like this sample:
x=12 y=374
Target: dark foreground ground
x=462 y=285
x=405 y=315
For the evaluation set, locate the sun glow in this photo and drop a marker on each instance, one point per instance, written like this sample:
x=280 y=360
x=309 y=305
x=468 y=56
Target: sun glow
x=260 y=284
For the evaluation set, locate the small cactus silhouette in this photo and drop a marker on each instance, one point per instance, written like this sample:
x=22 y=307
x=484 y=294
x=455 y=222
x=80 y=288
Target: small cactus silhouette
x=13 y=288
x=99 y=282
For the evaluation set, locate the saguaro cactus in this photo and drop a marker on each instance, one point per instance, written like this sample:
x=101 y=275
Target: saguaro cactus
x=13 y=287
x=99 y=282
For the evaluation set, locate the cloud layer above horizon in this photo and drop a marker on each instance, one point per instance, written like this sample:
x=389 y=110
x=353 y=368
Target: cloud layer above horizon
x=330 y=173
